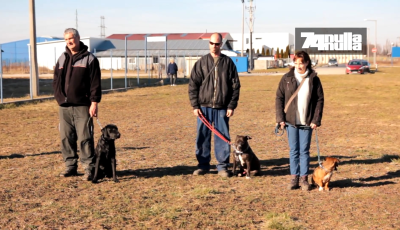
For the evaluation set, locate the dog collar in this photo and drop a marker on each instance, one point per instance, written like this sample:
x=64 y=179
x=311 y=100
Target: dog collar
x=240 y=152
x=321 y=166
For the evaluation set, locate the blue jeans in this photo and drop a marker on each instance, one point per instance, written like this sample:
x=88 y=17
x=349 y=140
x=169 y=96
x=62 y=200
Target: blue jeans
x=299 y=143
x=203 y=139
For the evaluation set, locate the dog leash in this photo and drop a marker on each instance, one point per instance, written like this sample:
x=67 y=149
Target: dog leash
x=277 y=128
x=319 y=158
x=98 y=122
x=215 y=131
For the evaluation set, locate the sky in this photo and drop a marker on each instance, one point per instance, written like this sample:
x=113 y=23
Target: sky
x=196 y=16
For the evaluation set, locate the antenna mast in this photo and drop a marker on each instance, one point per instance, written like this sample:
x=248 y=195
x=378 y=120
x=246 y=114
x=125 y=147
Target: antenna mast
x=76 y=19
x=251 y=9
x=102 y=28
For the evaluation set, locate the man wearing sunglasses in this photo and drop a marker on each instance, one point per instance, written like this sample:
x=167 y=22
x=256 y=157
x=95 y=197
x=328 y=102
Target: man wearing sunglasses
x=214 y=88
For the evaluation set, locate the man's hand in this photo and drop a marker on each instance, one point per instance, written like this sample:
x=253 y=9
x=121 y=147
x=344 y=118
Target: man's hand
x=197 y=112
x=93 y=109
x=229 y=113
x=313 y=126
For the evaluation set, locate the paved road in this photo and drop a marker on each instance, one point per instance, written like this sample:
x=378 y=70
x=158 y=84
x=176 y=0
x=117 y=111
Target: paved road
x=333 y=70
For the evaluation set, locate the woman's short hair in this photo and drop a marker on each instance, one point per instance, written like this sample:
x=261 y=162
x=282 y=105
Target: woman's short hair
x=305 y=56
x=72 y=31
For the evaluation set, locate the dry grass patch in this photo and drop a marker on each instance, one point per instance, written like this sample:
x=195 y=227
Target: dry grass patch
x=156 y=159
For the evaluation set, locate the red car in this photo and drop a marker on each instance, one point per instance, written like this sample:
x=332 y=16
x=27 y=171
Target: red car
x=357 y=66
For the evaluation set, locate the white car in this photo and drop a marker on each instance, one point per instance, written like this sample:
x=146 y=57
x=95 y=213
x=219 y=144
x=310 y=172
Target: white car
x=332 y=62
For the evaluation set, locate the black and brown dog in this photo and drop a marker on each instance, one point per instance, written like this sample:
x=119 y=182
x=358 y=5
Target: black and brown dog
x=244 y=156
x=105 y=154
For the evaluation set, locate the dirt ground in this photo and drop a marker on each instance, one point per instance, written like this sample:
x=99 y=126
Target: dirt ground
x=156 y=159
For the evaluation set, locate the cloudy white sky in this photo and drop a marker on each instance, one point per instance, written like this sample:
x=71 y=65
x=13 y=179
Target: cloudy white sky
x=161 y=16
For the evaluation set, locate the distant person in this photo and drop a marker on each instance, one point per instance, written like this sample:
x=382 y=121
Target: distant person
x=214 y=89
x=300 y=114
x=77 y=89
x=172 y=71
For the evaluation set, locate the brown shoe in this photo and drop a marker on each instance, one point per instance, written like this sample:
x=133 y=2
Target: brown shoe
x=294 y=182
x=88 y=175
x=224 y=173
x=305 y=186
x=69 y=172
x=198 y=172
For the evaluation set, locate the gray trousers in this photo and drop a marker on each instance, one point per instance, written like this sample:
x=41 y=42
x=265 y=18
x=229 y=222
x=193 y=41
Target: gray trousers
x=172 y=78
x=76 y=130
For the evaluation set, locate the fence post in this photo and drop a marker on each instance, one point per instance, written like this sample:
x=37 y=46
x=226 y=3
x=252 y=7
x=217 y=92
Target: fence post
x=1 y=74
x=111 y=69
x=30 y=72
x=137 y=68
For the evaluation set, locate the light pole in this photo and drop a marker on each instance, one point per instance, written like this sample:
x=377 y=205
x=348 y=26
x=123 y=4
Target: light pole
x=376 y=28
x=242 y=27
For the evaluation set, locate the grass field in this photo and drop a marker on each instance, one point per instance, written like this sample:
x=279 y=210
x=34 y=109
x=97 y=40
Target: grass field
x=156 y=159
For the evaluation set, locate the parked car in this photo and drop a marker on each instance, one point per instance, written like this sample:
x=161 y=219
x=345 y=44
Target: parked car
x=357 y=66
x=332 y=62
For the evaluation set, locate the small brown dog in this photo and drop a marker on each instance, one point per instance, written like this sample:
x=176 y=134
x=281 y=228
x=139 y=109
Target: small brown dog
x=322 y=175
x=245 y=158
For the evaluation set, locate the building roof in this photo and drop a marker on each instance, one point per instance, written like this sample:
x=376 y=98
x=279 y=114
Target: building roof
x=174 y=48
x=170 y=36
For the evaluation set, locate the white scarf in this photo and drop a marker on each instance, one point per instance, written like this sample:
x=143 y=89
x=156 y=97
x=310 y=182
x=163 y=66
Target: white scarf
x=302 y=97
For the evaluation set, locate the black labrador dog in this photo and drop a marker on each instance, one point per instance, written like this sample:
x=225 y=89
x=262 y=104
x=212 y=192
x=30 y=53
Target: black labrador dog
x=105 y=154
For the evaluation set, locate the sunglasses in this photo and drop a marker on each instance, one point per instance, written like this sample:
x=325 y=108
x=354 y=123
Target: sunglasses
x=216 y=44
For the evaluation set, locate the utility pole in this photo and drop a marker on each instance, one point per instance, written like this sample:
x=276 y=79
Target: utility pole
x=76 y=19
x=33 y=51
x=251 y=9
x=102 y=28
x=242 y=27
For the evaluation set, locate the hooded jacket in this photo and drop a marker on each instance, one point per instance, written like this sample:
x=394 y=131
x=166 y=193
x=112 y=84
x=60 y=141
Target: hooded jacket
x=172 y=68
x=83 y=82
x=315 y=101
x=221 y=91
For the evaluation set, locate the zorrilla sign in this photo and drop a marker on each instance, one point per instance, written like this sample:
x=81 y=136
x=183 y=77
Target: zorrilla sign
x=331 y=40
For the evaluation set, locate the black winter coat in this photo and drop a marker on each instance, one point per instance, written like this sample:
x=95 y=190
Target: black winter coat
x=85 y=80
x=287 y=86
x=221 y=91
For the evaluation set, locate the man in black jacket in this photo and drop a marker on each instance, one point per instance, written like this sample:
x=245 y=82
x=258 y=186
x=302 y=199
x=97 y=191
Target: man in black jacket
x=77 y=90
x=214 y=88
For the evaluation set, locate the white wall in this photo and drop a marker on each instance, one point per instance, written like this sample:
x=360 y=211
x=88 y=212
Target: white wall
x=260 y=40
x=49 y=52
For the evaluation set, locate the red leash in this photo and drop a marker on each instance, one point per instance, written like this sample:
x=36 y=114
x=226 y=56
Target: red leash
x=214 y=130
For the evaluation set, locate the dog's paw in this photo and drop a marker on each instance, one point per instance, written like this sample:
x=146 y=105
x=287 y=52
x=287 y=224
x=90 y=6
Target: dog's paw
x=95 y=181
x=247 y=177
x=321 y=189
x=116 y=180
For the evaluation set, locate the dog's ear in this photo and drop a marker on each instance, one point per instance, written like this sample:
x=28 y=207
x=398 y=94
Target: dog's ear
x=105 y=133
x=248 y=137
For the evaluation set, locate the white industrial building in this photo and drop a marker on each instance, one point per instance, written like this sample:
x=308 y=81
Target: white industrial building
x=49 y=52
x=263 y=40
x=185 y=48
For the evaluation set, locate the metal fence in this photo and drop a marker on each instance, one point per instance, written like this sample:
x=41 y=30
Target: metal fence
x=117 y=74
